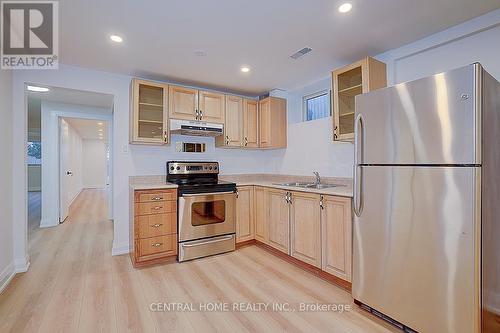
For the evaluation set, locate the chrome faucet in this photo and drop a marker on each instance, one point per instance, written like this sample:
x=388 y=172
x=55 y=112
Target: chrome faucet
x=318 y=178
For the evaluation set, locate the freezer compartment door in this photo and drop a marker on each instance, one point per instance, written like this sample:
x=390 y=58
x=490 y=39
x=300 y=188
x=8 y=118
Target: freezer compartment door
x=428 y=121
x=415 y=255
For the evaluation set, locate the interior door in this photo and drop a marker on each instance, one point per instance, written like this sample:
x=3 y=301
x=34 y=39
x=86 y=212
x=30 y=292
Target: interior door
x=428 y=121
x=64 y=172
x=415 y=244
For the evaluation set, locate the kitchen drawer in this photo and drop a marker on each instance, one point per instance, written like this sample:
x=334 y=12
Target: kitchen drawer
x=154 y=196
x=161 y=207
x=156 y=225
x=161 y=245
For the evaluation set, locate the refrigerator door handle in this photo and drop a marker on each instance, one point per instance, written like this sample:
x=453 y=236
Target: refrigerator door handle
x=358 y=169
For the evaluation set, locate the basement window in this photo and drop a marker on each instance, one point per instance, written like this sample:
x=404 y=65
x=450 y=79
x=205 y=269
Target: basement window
x=34 y=153
x=316 y=106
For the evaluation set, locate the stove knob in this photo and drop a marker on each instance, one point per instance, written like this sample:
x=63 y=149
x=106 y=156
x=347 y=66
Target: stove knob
x=210 y=168
x=172 y=168
x=215 y=168
x=178 y=168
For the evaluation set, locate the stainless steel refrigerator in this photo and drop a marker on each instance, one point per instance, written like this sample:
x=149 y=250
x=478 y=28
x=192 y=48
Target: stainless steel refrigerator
x=426 y=229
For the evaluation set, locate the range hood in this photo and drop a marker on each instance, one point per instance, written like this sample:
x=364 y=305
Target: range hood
x=195 y=128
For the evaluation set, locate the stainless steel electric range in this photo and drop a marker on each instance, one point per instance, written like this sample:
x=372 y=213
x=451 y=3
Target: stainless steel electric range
x=206 y=209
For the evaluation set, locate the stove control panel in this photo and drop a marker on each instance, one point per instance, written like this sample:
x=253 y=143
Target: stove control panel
x=187 y=168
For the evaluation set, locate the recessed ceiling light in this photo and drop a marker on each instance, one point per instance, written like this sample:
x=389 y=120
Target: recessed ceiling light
x=100 y=124
x=116 y=38
x=345 y=7
x=37 y=89
x=100 y=129
x=245 y=69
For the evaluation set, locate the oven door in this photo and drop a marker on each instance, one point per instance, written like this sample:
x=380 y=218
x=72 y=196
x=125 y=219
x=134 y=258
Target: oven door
x=206 y=215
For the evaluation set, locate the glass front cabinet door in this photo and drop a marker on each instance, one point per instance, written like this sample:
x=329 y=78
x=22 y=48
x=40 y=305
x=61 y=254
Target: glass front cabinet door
x=149 y=115
x=347 y=82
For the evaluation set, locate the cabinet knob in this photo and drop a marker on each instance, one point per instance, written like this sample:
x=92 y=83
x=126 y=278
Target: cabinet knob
x=197 y=114
x=201 y=114
x=157 y=198
x=321 y=204
x=246 y=141
x=157 y=207
x=156 y=244
x=165 y=139
x=157 y=225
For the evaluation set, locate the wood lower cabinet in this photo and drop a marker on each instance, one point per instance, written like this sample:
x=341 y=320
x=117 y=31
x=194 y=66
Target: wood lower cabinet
x=305 y=226
x=279 y=215
x=272 y=123
x=153 y=226
x=336 y=230
x=245 y=227
x=261 y=214
x=233 y=126
x=250 y=123
x=148 y=113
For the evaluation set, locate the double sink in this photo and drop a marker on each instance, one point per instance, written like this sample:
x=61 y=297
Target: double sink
x=317 y=186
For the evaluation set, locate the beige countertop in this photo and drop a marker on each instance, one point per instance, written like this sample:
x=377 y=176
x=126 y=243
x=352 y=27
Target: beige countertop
x=344 y=188
x=150 y=183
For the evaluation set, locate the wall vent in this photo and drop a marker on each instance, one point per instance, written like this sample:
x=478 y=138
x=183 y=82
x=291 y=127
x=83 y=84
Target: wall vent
x=301 y=53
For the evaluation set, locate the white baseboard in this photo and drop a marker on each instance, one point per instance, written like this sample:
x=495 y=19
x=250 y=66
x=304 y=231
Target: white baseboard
x=6 y=276
x=21 y=265
x=48 y=223
x=492 y=302
x=120 y=248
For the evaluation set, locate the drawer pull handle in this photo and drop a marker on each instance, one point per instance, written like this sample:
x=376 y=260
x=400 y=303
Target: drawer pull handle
x=157 y=225
x=156 y=244
x=157 y=208
x=157 y=198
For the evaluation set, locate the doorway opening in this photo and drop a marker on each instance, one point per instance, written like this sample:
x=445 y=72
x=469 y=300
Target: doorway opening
x=69 y=156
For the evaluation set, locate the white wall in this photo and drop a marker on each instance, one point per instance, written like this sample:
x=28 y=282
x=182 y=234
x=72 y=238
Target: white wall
x=94 y=163
x=6 y=246
x=474 y=40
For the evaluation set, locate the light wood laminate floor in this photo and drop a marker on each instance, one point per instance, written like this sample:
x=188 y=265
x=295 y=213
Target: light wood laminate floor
x=75 y=285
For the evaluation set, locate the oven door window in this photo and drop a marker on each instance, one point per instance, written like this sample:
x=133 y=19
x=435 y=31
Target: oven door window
x=206 y=213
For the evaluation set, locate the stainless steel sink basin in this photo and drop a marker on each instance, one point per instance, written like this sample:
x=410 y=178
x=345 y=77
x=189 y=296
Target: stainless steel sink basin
x=310 y=185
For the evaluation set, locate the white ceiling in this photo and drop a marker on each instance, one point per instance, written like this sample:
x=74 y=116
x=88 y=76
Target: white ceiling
x=89 y=129
x=160 y=36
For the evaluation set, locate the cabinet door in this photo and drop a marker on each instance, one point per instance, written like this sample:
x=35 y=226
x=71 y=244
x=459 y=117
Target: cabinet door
x=244 y=214
x=279 y=225
x=261 y=215
x=265 y=123
x=183 y=103
x=149 y=123
x=251 y=124
x=336 y=230
x=305 y=222
x=233 y=127
x=211 y=107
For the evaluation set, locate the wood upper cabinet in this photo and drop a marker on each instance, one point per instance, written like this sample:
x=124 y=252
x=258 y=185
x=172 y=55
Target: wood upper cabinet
x=211 y=106
x=336 y=229
x=192 y=104
x=272 y=123
x=233 y=125
x=250 y=123
x=148 y=113
x=183 y=103
x=347 y=82
x=305 y=228
x=261 y=214
x=279 y=224
x=245 y=228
